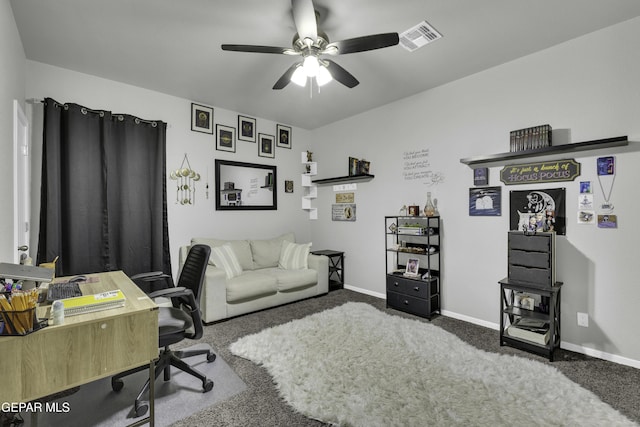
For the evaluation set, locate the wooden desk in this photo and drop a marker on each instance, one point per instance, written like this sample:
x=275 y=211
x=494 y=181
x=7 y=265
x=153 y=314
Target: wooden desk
x=85 y=348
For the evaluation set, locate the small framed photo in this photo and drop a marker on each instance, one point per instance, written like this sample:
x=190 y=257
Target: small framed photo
x=284 y=136
x=288 y=186
x=246 y=128
x=364 y=167
x=266 y=145
x=481 y=176
x=412 y=268
x=354 y=166
x=606 y=165
x=225 y=138
x=201 y=118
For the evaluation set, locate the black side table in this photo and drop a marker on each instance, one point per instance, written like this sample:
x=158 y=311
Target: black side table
x=336 y=267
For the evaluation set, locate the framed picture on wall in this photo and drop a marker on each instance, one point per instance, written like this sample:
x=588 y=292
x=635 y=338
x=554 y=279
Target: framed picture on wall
x=284 y=136
x=225 y=138
x=201 y=118
x=538 y=210
x=266 y=145
x=485 y=201
x=246 y=128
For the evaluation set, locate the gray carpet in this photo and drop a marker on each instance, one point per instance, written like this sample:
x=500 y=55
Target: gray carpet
x=260 y=404
x=95 y=404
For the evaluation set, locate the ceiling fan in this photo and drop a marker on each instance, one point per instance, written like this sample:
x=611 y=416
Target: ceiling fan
x=310 y=43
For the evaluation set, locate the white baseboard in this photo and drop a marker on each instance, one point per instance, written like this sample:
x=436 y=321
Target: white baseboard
x=366 y=292
x=600 y=354
x=563 y=344
x=469 y=319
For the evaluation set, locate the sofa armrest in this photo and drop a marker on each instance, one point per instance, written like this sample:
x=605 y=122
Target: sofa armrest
x=320 y=263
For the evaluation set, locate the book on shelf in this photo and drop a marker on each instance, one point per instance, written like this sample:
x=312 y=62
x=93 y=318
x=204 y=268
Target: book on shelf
x=95 y=302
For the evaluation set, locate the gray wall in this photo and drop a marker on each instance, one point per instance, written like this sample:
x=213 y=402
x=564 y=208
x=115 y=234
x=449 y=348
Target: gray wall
x=587 y=88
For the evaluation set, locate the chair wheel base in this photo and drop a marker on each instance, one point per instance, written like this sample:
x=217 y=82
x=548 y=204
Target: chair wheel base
x=207 y=386
x=211 y=357
x=116 y=384
x=141 y=407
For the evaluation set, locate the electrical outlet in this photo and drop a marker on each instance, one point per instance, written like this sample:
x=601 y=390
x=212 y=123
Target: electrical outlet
x=583 y=319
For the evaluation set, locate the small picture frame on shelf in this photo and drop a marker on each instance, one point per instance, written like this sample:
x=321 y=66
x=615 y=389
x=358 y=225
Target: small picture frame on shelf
x=413 y=266
x=354 y=166
x=414 y=210
x=364 y=166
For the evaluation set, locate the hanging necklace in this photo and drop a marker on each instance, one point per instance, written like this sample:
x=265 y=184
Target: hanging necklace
x=606 y=167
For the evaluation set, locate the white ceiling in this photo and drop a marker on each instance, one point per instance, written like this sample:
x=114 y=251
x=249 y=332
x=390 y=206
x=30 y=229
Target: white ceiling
x=173 y=46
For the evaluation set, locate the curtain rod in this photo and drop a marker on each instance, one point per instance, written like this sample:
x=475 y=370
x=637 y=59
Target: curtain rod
x=84 y=110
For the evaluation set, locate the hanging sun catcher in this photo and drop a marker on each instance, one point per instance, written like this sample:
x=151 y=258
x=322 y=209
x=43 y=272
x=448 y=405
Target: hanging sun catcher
x=185 y=177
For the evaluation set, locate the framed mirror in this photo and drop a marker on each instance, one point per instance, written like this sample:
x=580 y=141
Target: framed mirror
x=245 y=186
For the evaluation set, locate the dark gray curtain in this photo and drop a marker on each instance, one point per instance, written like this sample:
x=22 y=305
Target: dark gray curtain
x=104 y=198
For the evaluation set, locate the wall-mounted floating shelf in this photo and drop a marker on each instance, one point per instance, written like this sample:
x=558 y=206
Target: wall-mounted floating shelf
x=352 y=178
x=597 y=144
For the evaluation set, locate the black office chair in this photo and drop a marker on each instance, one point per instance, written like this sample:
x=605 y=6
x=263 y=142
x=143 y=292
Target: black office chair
x=176 y=323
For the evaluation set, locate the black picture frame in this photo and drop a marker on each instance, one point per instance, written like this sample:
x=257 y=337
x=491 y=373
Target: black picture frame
x=225 y=138
x=246 y=128
x=283 y=135
x=354 y=166
x=481 y=176
x=245 y=186
x=266 y=145
x=201 y=118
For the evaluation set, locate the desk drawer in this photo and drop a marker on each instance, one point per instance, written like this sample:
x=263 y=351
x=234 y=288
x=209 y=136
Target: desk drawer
x=77 y=354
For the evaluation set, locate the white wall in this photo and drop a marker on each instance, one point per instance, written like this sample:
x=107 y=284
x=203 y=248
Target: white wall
x=12 y=81
x=201 y=219
x=588 y=87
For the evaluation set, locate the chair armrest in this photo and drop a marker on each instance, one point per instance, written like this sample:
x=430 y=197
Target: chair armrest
x=151 y=276
x=178 y=291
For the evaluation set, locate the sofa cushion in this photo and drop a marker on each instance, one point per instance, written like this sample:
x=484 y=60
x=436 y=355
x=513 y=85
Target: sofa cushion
x=293 y=279
x=241 y=248
x=294 y=256
x=224 y=257
x=266 y=253
x=250 y=284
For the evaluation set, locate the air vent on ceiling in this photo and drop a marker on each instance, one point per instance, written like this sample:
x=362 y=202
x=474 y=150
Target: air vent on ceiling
x=418 y=36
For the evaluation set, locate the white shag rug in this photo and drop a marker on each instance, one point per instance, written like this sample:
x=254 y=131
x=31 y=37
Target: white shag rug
x=354 y=365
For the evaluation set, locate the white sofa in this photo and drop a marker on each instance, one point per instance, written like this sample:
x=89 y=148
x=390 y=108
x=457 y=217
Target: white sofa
x=262 y=282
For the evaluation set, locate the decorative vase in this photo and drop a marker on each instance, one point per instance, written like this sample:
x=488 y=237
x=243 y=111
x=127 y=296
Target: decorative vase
x=429 y=208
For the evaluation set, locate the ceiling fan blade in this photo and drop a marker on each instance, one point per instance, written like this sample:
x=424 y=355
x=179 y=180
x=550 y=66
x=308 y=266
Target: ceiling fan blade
x=362 y=44
x=304 y=16
x=286 y=78
x=340 y=74
x=258 y=49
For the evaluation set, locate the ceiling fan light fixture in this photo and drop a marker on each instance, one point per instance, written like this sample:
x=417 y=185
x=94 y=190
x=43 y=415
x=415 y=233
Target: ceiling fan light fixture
x=324 y=76
x=311 y=65
x=299 y=76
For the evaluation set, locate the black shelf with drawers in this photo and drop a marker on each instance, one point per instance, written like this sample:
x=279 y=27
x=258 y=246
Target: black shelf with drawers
x=530 y=295
x=417 y=238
